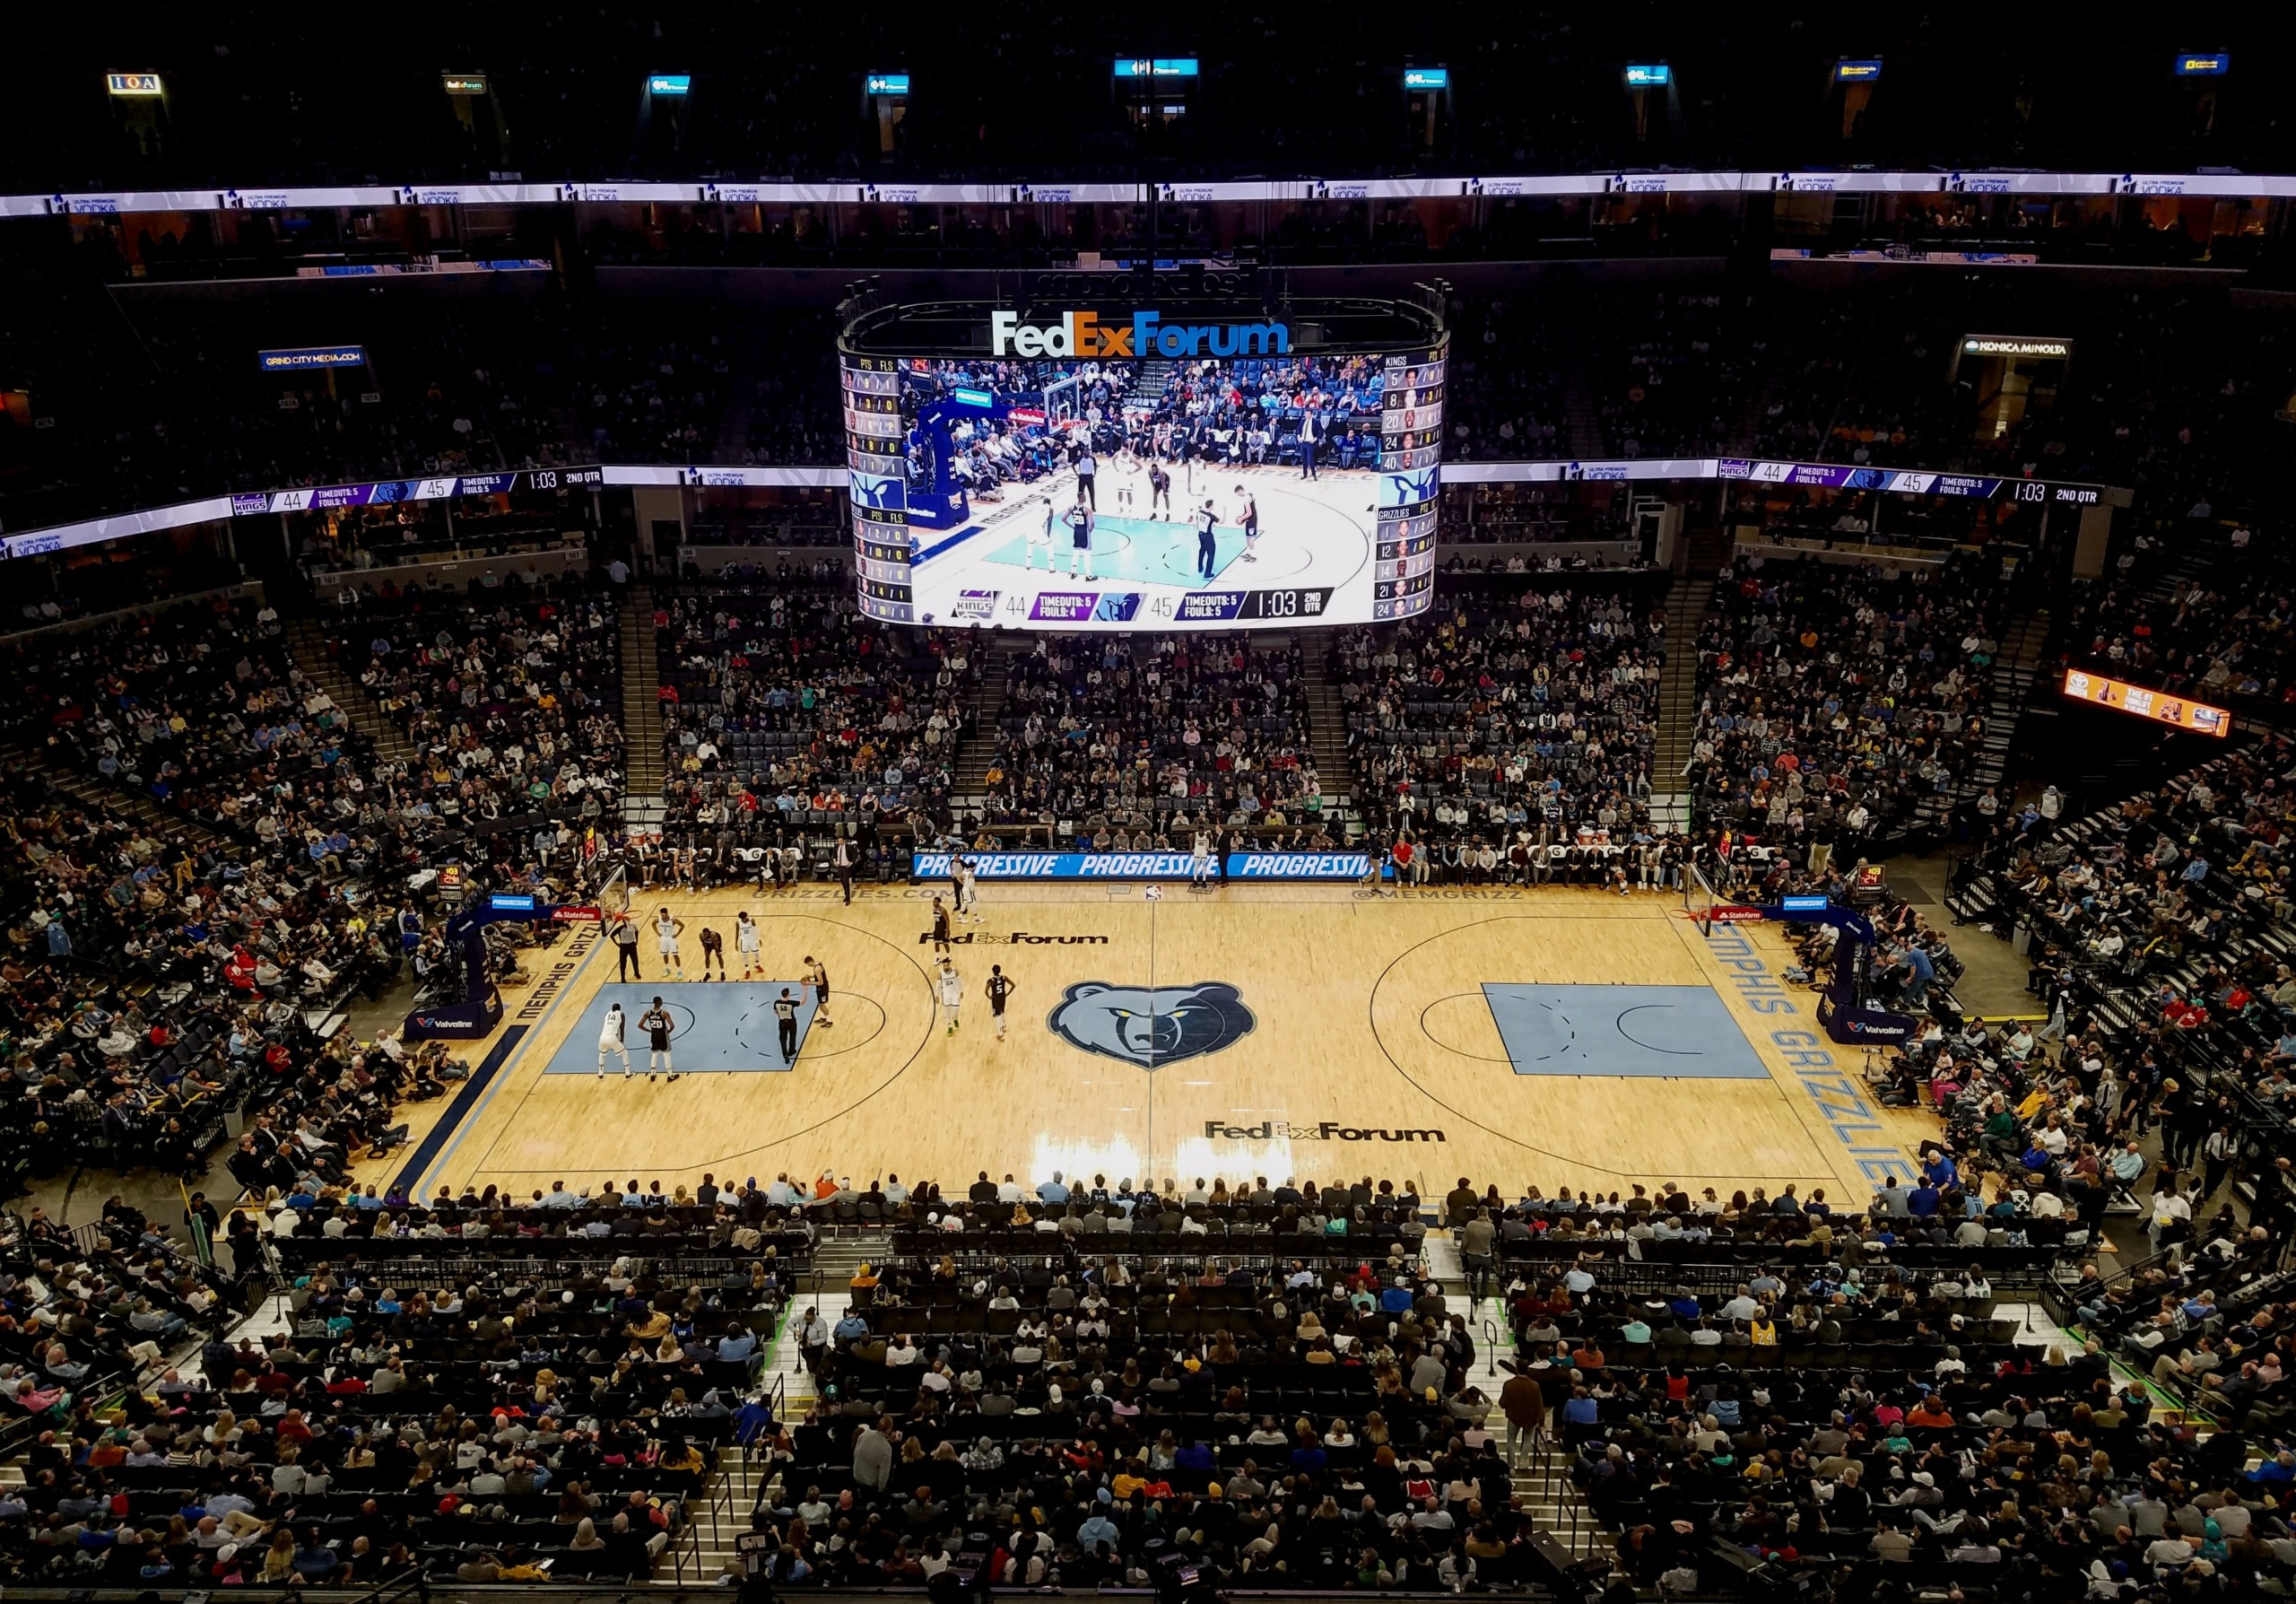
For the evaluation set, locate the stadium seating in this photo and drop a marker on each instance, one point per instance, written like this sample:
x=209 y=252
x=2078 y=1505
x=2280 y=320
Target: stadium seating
x=1520 y=713
x=781 y=713
x=2162 y=929
x=209 y=938
x=1108 y=735
x=513 y=1403
x=1837 y=702
x=511 y=701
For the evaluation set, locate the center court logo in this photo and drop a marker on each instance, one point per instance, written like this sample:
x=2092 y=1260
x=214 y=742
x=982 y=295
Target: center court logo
x=1151 y=1027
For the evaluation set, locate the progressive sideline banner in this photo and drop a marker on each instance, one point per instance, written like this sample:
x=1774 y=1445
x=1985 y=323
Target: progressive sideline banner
x=1144 y=866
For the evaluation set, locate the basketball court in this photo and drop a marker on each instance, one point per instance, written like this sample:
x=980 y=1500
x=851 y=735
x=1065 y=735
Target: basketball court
x=1314 y=533
x=1561 y=1037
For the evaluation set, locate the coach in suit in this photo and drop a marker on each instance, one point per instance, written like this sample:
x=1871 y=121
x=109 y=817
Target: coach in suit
x=1312 y=429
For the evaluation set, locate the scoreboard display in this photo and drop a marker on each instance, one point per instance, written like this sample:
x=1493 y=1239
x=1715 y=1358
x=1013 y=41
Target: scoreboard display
x=1245 y=484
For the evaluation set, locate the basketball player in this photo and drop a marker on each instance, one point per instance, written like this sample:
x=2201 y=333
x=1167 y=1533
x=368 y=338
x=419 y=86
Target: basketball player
x=1080 y=540
x=940 y=926
x=611 y=1039
x=1041 y=539
x=745 y=942
x=713 y=951
x=1124 y=468
x=1199 y=868
x=968 y=893
x=817 y=977
x=997 y=989
x=953 y=993
x=1159 y=489
x=1250 y=520
x=785 y=1019
x=666 y=931
x=658 y=1024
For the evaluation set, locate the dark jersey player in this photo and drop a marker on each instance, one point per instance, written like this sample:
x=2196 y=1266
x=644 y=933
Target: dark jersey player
x=999 y=988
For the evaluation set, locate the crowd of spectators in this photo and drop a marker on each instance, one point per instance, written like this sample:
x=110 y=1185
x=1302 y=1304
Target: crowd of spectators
x=2215 y=628
x=1518 y=715
x=783 y=710
x=1264 y=1380
x=1213 y=412
x=502 y=1421
x=2206 y=1325
x=1668 y=371
x=1871 y=1429
x=168 y=403
x=642 y=383
x=84 y=1310
x=1503 y=390
x=2173 y=395
x=177 y=947
x=1840 y=704
x=2161 y=926
x=1147 y=741
x=510 y=700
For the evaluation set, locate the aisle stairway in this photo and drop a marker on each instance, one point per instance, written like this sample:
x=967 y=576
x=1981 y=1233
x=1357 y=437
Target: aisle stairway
x=1542 y=1479
x=753 y=350
x=307 y=643
x=2014 y=676
x=641 y=709
x=1670 y=801
x=1327 y=728
x=789 y=1385
x=980 y=744
x=60 y=776
x=1581 y=417
x=2015 y=668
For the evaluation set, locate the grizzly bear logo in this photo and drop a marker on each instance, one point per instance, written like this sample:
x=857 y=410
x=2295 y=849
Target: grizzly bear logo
x=1151 y=1027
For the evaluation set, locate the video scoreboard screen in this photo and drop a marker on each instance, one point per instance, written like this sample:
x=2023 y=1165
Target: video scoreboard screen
x=1148 y=473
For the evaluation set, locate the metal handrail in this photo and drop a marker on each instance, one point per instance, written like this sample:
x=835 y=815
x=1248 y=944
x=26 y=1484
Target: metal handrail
x=685 y=1547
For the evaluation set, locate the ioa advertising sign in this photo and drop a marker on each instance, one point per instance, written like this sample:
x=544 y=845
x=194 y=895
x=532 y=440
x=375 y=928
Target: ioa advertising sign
x=1084 y=334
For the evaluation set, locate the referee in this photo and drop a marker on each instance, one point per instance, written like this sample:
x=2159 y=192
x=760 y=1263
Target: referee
x=785 y=1016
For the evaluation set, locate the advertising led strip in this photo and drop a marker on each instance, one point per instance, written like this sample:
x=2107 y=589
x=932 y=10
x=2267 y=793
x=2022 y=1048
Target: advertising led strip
x=2143 y=702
